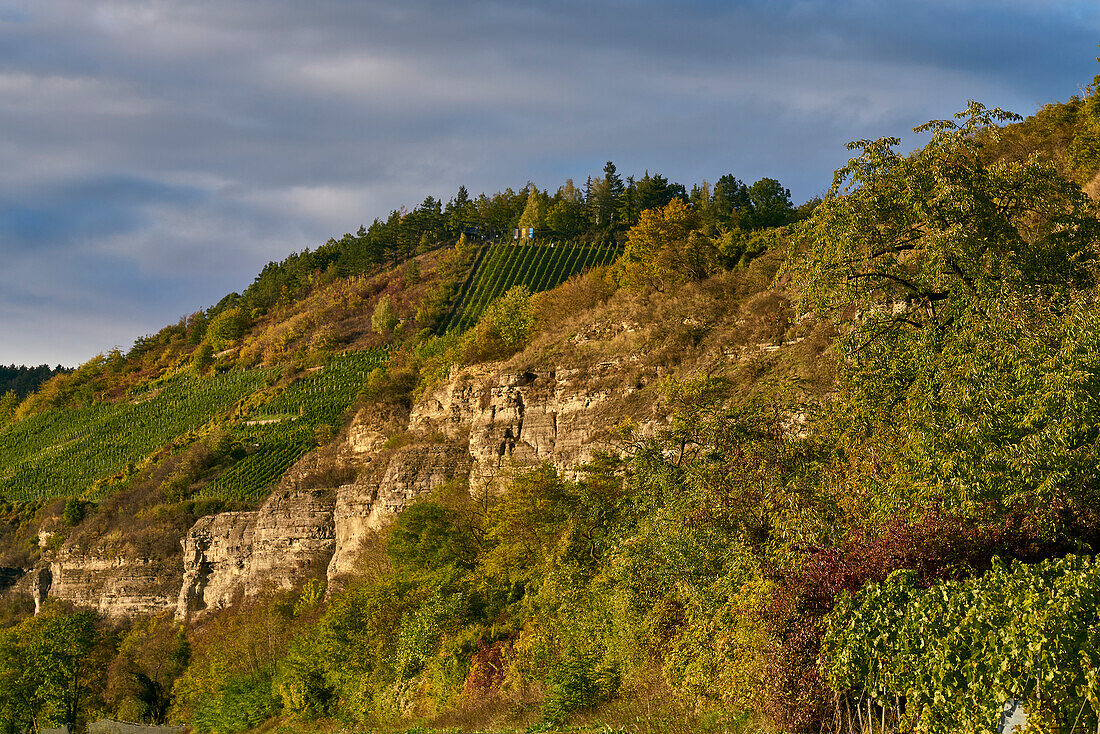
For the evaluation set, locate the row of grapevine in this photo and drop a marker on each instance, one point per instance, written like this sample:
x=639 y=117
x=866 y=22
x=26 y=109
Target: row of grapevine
x=315 y=400
x=949 y=658
x=506 y=265
x=500 y=261
x=63 y=452
x=267 y=461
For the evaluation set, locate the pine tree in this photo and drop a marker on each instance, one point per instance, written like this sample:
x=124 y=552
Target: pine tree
x=731 y=199
x=614 y=195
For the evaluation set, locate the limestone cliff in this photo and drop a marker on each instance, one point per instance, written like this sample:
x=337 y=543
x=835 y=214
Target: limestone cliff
x=523 y=419
x=117 y=583
x=365 y=506
x=474 y=428
x=117 y=586
x=242 y=553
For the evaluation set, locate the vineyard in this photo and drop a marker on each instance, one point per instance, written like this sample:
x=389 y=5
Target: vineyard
x=505 y=265
x=66 y=452
x=950 y=658
x=282 y=430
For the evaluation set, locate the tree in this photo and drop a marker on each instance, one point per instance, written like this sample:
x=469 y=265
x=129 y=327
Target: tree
x=17 y=693
x=701 y=200
x=605 y=197
x=383 y=320
x=663 y=249
x=566 y=215
x=1084 y=150
x=460 y=211
x=226 y=328
x=731 y=199
x=769 y=204
x=503 y=328
x=73 y=512
x=655 y=191
x=614 y=183
x=524 y=526
x=534 y=211
x=428 y=535
x=202 y=358
x=8 y=403
x=916 y=240
x=60 y=664
x=151 y=656
x=969 y=346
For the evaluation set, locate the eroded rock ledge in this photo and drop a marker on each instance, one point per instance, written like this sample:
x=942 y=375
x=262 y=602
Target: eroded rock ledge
x=476 y=427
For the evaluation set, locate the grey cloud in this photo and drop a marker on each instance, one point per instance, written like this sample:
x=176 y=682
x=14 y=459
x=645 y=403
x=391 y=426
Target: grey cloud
x=169 y=149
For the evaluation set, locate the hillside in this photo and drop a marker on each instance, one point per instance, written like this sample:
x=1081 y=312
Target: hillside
x=620 y=474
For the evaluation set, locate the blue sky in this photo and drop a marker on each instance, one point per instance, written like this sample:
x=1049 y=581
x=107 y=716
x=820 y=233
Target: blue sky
x=155 y=154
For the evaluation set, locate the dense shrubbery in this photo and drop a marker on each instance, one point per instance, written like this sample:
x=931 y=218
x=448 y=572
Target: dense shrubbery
x=742 y=562
x=945 y=658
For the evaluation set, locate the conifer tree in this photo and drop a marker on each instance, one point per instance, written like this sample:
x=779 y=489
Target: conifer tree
x=610 y=206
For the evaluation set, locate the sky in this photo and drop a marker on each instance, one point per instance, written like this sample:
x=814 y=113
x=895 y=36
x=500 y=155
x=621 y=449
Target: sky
x=155 y=154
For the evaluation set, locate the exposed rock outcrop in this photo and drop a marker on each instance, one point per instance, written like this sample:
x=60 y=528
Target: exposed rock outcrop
x=479 y=425
x=523 y=419
x=41 y=580
x=365 y=506
x=117 y=585
x=241 y=553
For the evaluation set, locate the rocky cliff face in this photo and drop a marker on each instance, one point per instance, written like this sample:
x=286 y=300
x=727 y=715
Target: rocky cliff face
x=363 y=507
x=116 y=584
x=476 y=427
x=522 y=419
x=242 y=553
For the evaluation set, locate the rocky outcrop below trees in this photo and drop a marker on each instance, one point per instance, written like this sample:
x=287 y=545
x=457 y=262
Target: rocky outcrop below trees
x=242 y=553
x=476 y=427
x=116 y=584
x=473 y=429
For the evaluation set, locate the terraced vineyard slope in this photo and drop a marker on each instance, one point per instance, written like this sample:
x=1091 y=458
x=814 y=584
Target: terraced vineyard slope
x=71 y=452
x=505 y=265
x=283 y=429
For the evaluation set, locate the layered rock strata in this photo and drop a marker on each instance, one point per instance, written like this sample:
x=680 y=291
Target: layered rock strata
x=363 y=508
x=117 y=585
x=523 y=419
x=478 y=426
x=242 y=553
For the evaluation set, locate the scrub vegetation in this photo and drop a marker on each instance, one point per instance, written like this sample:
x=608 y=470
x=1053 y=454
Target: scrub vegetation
x=888 y=526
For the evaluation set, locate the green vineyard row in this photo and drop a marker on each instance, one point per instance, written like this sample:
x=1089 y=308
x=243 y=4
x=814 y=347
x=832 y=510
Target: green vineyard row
x=69 y=452
x=281 y=431
x=506 y=265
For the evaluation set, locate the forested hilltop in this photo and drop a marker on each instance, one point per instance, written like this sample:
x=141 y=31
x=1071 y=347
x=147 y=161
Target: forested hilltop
x=838 y=473
x=20 y=381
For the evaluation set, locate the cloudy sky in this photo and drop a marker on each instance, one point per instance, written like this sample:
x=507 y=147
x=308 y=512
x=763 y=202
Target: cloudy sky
x=155 y=154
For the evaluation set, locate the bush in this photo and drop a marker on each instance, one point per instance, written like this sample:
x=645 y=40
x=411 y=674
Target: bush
x=73 y=512
x=226 y=328
x=578 y=683
x=504 y=328
x=384 y=320
x=243 y=702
